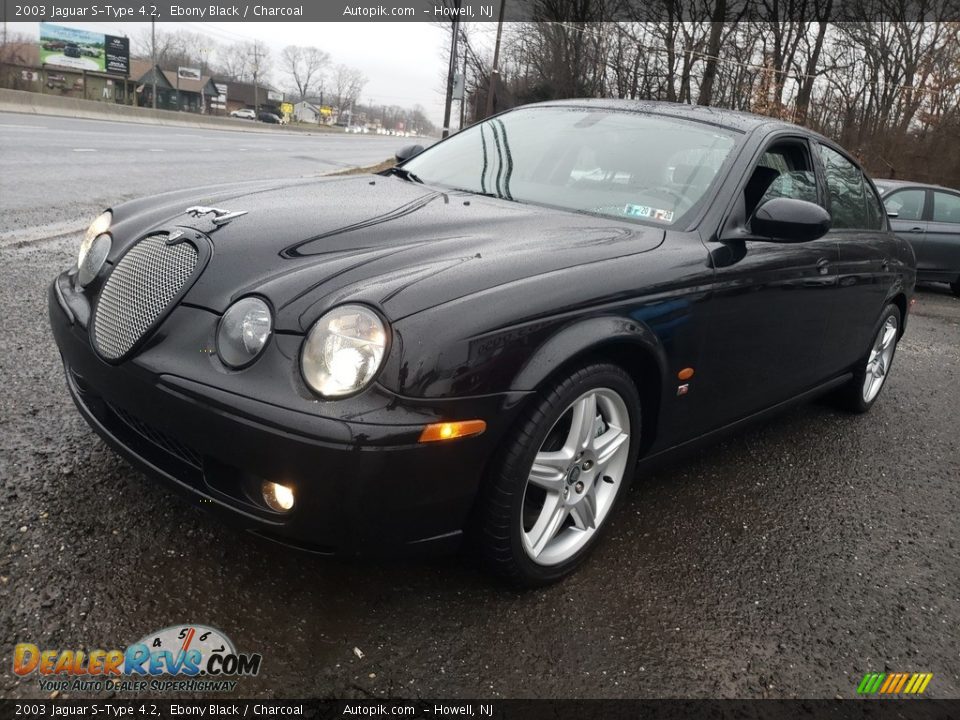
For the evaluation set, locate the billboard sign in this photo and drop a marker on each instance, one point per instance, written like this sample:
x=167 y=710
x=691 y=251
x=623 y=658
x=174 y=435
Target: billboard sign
x=188 y=73
x=219 y=102
x=83 y=50
x=117 y=54
x=274 y=96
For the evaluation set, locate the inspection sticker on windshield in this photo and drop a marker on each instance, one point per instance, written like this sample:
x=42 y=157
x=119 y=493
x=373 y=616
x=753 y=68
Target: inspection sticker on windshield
x=648 y=212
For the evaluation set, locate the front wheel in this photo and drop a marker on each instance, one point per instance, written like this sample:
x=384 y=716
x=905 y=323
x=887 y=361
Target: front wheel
x=871 y=374
x=560 y=474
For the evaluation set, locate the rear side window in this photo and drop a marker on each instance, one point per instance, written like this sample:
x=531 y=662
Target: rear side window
x=876 y=215
x=848 y=205
x=907 y=204
x=946 y=207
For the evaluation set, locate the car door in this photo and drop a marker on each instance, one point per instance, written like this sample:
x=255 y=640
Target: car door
x=940 y=258
x=770 y=300
x=865 y=274
x=907 y=209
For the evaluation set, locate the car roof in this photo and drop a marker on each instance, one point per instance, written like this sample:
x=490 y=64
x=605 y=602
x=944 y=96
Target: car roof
x=891 y=184
x=733 y=119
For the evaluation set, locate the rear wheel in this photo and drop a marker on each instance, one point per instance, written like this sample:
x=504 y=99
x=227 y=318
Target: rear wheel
x=871 y=374
x=559 y=476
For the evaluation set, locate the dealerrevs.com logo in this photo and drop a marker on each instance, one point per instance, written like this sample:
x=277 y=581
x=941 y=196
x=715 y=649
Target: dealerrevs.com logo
x=179 y=658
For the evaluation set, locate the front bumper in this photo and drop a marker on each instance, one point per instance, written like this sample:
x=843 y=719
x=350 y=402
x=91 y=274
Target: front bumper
x=362 y=488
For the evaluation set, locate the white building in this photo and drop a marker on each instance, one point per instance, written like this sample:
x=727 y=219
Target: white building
x=307 y=112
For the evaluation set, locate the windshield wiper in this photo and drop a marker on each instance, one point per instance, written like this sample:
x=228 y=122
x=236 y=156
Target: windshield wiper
x=478 y=192
x=403 y=173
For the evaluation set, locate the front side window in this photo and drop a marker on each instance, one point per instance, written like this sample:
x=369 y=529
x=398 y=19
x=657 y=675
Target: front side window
x=907 y=204
x=783 y=171
x=848 y=207
x=946 y=207
x=608 y=162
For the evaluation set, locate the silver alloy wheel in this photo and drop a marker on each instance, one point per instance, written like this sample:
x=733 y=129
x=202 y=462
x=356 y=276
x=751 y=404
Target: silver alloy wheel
x=881 y=355
x=570 y=490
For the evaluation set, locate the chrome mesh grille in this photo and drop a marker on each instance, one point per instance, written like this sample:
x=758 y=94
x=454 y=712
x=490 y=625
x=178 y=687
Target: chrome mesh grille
x=138 y=291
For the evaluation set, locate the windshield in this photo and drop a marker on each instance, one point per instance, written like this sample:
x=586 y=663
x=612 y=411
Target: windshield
x=622 y=164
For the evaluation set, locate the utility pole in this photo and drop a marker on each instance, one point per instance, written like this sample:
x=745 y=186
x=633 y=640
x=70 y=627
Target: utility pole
x=256 y=70
x=495 y=72
x=463 y=83
x=4 y=27
x=452 y=69
x=153 y=55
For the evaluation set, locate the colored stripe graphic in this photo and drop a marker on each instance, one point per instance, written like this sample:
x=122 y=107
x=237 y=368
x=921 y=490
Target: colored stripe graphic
x=891 y=681
x=894 y=683
x=900 y=683
x=870 y=683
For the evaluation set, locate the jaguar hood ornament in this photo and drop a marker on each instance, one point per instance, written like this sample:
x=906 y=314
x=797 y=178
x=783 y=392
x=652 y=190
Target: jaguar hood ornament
x=220 y=216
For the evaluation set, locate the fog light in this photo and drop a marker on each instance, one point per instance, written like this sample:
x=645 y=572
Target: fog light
x=277 y=497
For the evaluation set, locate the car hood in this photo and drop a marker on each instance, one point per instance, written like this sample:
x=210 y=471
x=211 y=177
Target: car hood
x=307 y=245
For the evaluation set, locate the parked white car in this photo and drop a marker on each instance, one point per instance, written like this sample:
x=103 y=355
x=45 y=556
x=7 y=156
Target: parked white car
x=244 y=114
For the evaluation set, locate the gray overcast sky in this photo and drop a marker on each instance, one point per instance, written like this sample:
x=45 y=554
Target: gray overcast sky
x=403 y=62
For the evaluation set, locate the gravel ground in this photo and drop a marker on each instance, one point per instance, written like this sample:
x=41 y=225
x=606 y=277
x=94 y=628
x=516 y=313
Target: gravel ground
x=785 y=562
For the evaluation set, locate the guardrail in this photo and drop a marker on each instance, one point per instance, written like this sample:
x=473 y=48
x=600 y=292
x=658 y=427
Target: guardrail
x=22 y=101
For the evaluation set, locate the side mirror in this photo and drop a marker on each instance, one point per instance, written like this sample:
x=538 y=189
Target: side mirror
x=407 y=152
x=892 y=214
x=790 y=220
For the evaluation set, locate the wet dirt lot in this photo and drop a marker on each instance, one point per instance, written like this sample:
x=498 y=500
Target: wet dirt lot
x=787 y=561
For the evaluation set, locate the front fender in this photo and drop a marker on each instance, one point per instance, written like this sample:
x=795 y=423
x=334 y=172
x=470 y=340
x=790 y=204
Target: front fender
x=589 y=335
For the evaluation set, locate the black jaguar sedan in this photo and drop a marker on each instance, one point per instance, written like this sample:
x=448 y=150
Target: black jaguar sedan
x=482 y=342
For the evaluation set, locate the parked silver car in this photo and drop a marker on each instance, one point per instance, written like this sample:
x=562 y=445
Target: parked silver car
x=928 y=216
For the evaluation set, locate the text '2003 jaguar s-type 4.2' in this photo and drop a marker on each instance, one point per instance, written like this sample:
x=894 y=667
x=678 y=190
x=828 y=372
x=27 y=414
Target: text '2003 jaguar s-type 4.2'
x=486 y=341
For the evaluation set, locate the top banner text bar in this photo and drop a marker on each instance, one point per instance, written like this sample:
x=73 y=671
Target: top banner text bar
x=559 y=11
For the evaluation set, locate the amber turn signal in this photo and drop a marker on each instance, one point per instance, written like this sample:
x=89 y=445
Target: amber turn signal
x=452 y=430
x=685 y=374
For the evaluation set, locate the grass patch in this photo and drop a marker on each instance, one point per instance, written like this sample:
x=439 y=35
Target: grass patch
x=369 y=169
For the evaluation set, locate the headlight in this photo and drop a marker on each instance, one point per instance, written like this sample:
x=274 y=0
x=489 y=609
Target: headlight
x=92 y=260
x=343 y=351
x=97 y=227
x=243 y=331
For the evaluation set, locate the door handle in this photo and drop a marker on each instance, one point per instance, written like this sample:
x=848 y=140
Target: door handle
x=916 y=229
x=823 y=266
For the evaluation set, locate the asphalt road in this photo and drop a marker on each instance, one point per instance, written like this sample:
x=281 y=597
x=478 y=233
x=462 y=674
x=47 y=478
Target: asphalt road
x=57 y=172
x=786 y=562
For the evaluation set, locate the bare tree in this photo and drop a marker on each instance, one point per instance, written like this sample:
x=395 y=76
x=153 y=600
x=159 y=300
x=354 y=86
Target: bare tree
x=175 y=48
x=13 y=47
x=305 y=66
x=244 y=62
x=347 y=84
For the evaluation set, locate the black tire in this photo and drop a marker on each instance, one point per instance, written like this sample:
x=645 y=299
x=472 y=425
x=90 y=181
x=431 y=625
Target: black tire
x=498 y=526
x=955 y=286
x=851 y=395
